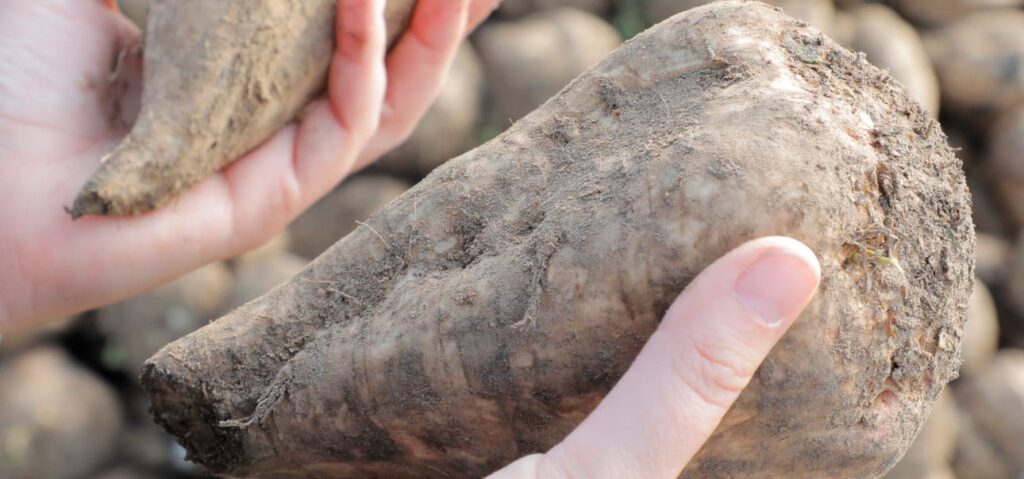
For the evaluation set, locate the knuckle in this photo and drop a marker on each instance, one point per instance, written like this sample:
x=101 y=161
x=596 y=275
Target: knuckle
x=716 y=375
x=431 y=47
x=433 y=25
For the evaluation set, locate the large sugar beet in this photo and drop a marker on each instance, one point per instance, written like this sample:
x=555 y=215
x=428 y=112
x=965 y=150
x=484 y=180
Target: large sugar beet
x=481 y=315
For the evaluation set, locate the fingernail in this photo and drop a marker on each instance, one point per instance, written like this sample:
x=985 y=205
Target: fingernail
x=777 y=286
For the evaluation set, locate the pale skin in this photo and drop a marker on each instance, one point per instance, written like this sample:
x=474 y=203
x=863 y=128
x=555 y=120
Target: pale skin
x=55 y=61
x=55 y=56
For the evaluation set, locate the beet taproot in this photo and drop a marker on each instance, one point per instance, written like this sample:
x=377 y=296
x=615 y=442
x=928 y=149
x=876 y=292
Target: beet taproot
x=221 y=76
x=484 y=313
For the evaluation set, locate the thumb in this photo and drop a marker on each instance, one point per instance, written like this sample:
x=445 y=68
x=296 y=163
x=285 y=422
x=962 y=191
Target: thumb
x=710 y=343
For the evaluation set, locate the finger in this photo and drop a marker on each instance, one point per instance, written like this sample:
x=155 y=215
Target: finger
x=335 y=130
x=240 y=207
x=710 y=343
x=357 y=78
x=479 y=10
x=416 y=68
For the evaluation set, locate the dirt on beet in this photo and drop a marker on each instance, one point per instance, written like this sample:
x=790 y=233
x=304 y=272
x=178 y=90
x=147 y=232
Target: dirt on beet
x=221 y=77
x=480 y=316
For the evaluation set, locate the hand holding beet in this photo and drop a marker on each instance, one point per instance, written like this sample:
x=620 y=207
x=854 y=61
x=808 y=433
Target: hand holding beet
x=70 y=99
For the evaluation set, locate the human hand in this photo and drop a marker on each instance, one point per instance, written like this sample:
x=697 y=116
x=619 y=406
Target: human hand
x=60 y=113
x=708 y=346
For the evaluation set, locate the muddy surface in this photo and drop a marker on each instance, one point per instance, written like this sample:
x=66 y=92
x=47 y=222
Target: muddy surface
x=484 y=313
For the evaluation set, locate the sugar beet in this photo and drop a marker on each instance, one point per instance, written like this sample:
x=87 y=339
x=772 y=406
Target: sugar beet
x=481 y=315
